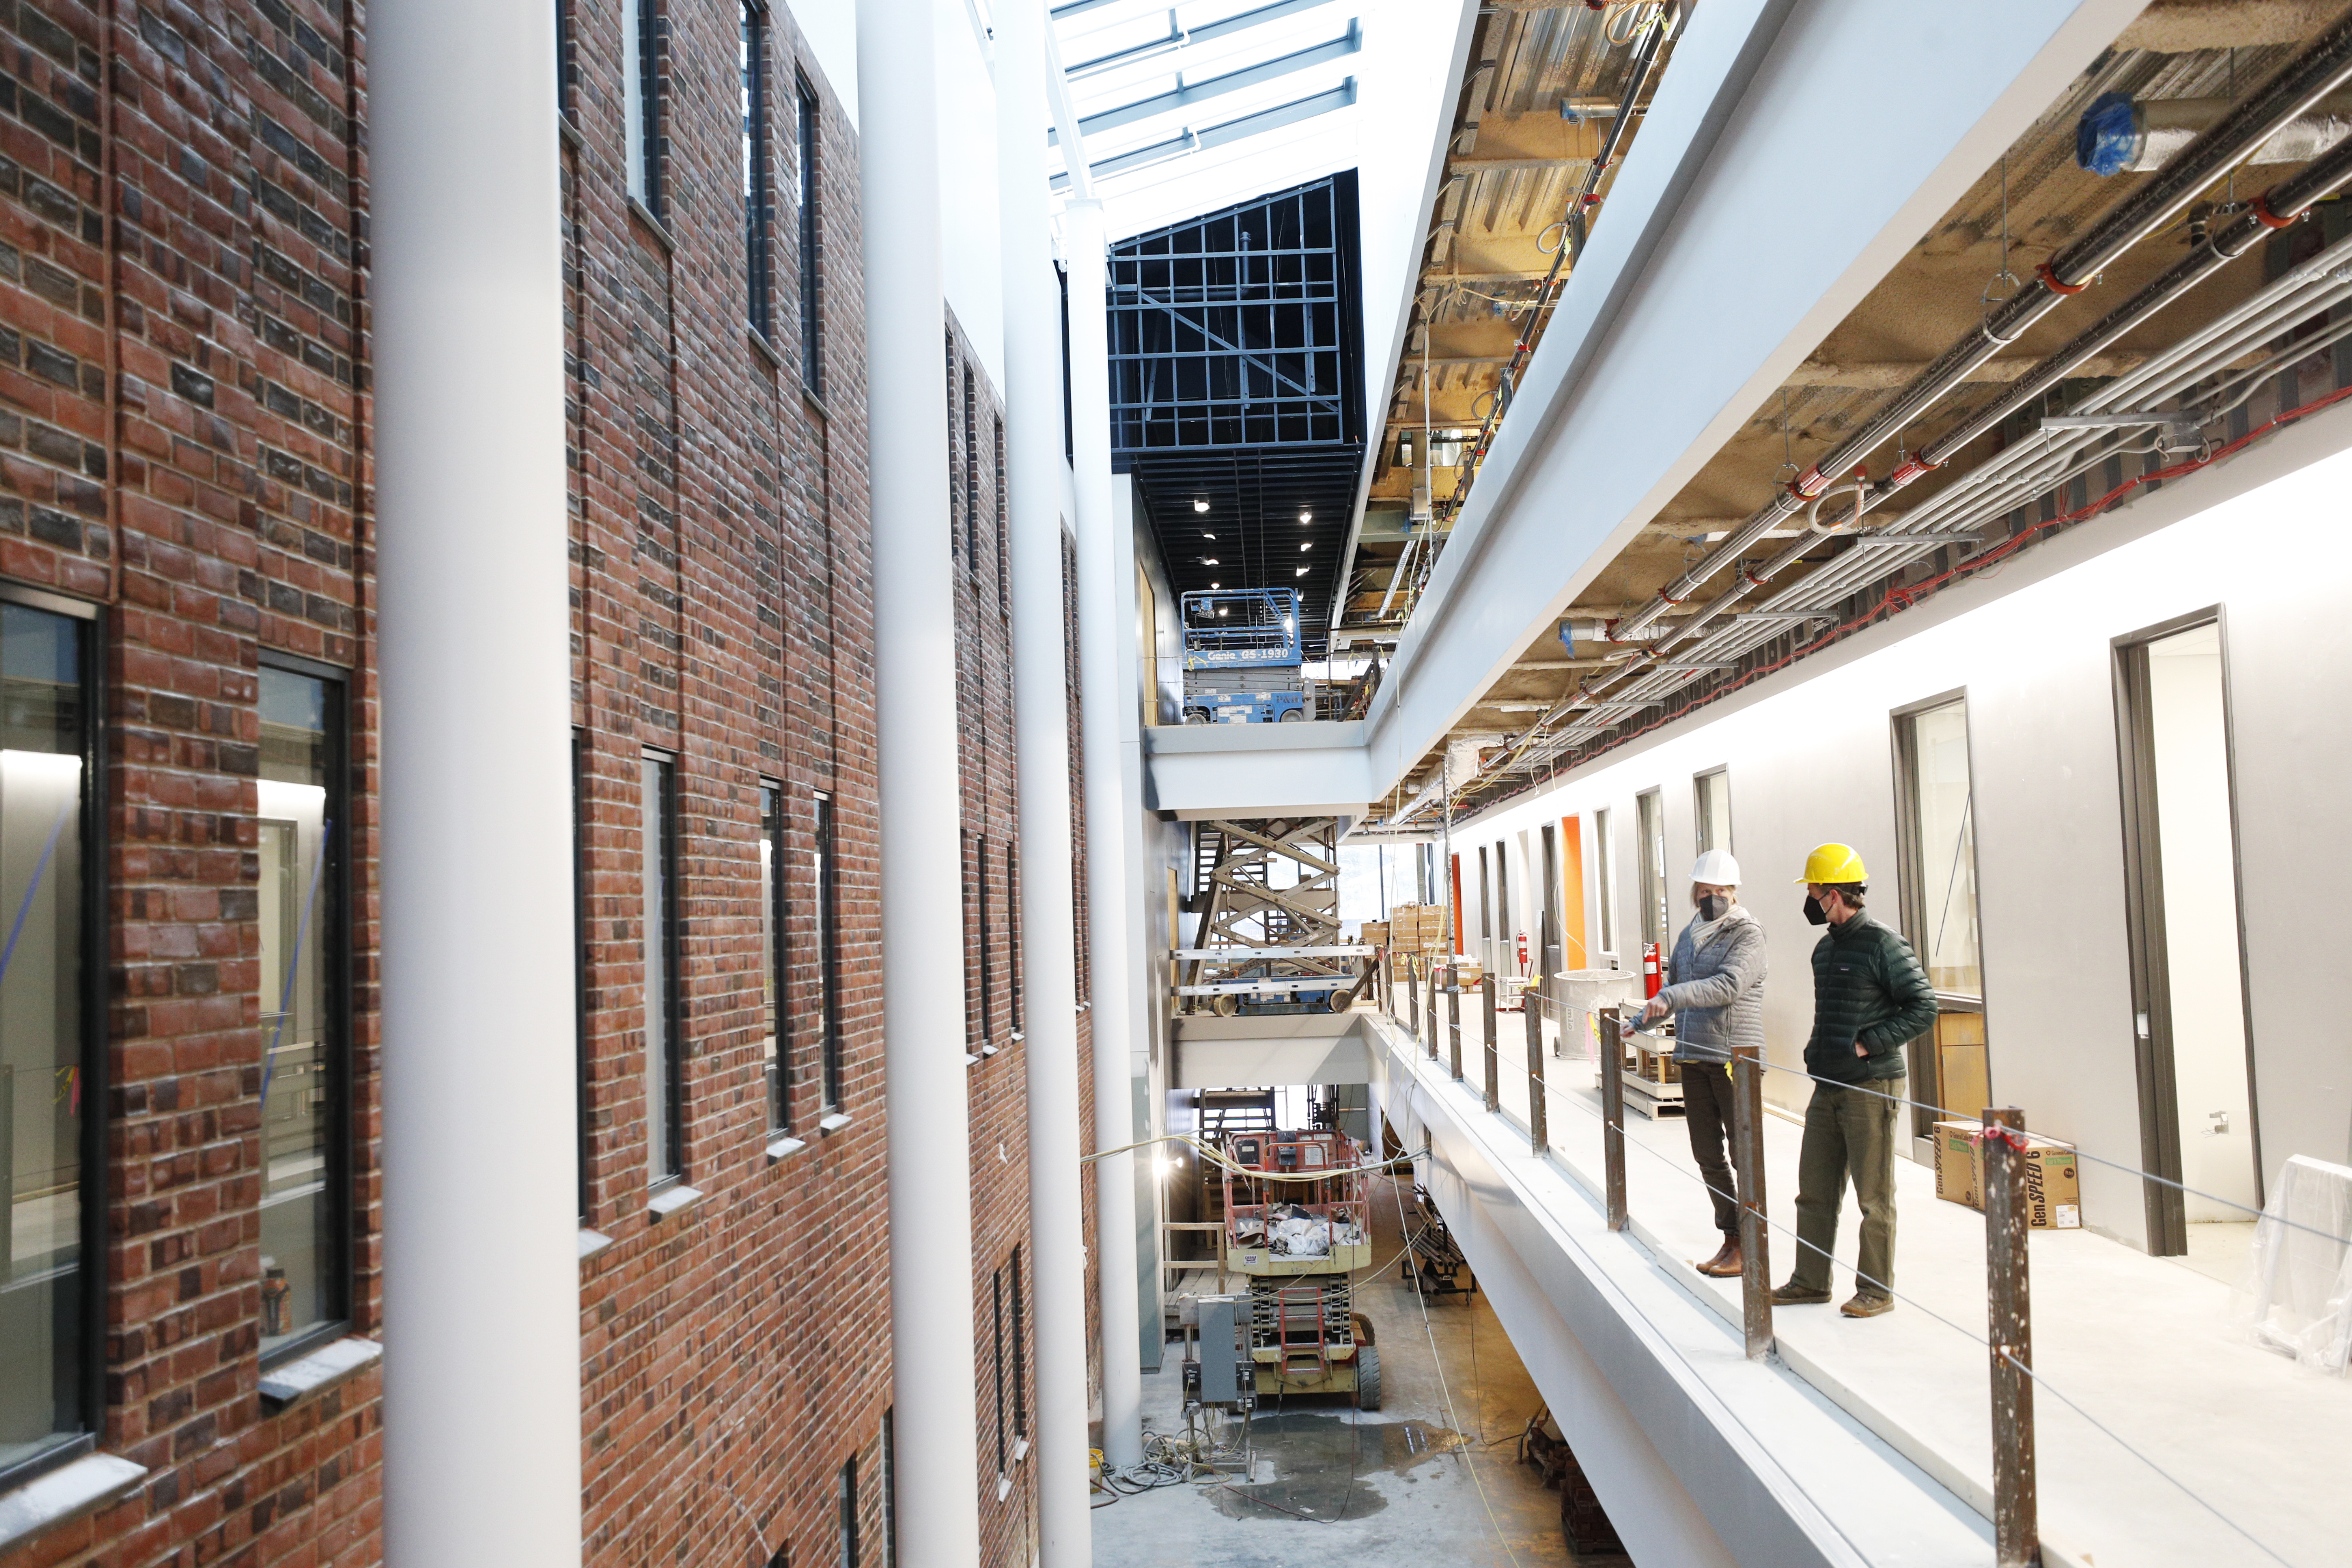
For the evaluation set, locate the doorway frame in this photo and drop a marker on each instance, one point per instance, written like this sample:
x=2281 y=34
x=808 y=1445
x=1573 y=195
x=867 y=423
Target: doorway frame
x=2151 y=974
x=1926 y=1068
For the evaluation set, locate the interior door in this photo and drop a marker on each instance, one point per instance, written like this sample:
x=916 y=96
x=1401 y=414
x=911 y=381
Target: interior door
x=2192 y=1039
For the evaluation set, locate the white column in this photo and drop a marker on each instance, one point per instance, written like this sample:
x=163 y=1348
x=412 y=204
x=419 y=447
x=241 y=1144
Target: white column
x=931 y=1325
x=1107 y=705
x=480 y=1146
x=1032 y=438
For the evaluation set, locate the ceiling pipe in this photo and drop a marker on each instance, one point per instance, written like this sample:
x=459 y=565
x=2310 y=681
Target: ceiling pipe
x=2292 y=298
x=2301 y=84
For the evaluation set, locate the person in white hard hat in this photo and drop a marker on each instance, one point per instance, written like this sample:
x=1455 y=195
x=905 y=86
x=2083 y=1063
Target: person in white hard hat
x=1717 y=996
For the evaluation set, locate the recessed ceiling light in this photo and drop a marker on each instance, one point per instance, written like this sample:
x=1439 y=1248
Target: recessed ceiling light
x=1208 y=561
x=1208 y=536
x=1301 y=572
x=1308 y=546
x=1307 y=517
x=1200 y=505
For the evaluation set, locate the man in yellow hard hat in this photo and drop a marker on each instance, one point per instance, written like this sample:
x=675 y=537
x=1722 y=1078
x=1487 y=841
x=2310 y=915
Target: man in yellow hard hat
x=1871 y=999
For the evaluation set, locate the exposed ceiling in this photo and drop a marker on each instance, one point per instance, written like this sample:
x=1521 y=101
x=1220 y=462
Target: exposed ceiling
x=2020 y=213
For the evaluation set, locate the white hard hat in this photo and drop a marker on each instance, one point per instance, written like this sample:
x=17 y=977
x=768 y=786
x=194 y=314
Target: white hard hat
x=1716 y=868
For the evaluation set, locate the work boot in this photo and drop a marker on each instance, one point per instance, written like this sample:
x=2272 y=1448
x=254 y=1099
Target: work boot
x=1867 y=1304
x=1795 y=1295
x=1725 y=1264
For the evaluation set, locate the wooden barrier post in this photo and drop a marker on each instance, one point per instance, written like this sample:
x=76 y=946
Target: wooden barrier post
x=1453 y=1019
x=1493 y=1061
x=1539 y=1108
x=1613 y=1115
x=1747 y=1159
x=2016 y=1531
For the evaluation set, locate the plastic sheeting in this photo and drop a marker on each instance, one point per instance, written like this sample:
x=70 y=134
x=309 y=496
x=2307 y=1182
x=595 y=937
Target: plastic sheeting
x=2298 y=1298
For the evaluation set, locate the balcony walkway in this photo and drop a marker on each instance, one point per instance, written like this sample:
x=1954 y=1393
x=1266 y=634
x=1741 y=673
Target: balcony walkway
x=2142 y=1343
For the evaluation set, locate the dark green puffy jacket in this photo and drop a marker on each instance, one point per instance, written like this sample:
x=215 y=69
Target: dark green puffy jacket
x=1868 y=989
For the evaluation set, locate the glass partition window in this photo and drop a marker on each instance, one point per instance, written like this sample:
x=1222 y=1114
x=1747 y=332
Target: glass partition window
x=656 y=798
x=1651 y=808
x=771 y=951
x=1933 y=746
x=301 y=835
x=43 y=769
x=1712 y=797
x=1605 y=879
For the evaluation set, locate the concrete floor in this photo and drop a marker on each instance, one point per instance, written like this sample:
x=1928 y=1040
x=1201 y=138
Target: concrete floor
x=1430 y=1478
x=2144 y=1343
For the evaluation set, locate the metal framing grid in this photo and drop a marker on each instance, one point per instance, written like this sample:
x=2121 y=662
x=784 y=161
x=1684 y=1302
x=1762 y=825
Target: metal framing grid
x=1241 y=328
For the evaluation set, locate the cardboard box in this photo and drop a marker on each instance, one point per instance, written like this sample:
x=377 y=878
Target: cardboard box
x=1374 y=934
x=2054 y=1182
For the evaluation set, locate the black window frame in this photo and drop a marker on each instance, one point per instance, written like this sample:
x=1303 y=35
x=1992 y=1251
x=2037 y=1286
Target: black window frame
x=583 y=756
x=90 y=1322
x=846 y=1492
x=772 y=836
x=334 y=937
x=672 y=1047
x=1020 y=1355
x=809 y=147
x=759 y=194
x=1649 y=864
x=647 y=107
x=1003 y=542
x=825 y=897
x=996 y=1322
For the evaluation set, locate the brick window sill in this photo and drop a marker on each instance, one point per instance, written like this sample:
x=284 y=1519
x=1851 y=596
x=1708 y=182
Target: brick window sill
x=591 y=1242
x=785 y=1148
x=315 y=1374
x=55 y=1497
x=672 y=1201
x=645 y=215
x=834 y=1123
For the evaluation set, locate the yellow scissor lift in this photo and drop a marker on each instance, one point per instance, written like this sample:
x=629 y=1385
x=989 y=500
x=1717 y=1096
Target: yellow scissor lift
x=1298 y=1242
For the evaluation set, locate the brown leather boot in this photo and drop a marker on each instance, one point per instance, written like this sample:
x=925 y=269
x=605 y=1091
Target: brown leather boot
x=1725 y=1264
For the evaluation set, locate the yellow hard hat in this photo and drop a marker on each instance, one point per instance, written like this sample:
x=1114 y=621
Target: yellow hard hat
x=1834 y=863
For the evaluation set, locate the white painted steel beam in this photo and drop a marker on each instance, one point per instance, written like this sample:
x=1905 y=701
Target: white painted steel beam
x=931 y=1324
x=1033 y=429
x=480 y=1140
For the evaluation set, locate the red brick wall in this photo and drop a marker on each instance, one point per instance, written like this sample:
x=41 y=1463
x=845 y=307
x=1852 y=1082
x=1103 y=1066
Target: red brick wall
x=737 y=1354
x=183 y=431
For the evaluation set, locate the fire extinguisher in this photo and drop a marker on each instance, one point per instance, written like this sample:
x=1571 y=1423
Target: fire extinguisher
x=1650 y=978
x=1523 y=952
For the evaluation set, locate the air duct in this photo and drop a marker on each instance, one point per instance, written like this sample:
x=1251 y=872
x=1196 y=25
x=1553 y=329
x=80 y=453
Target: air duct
x=2121 y=135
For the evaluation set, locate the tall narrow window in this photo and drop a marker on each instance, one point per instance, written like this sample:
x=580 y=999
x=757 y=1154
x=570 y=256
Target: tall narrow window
x=1020 y=1355
x=771 y=954
x=848 y=1513
x=1711 y=798
x=890 y=1488
x=996 y=1322
x=301 y=831
x=48 y=1351
x=580 y=757
x=825 y=880
x=758 y=218
x=657 y=817
x=1013 y=935
x=970 y=471
x=1003 y=541
x=987 y=948
x=1651 y=810
x=564 y=58
x=1505 y=924
x=1605 y=874
x=805 y=145
x=1936 y=858
x=640 y=136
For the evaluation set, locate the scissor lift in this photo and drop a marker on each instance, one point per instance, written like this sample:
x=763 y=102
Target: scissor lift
x=1305 y=1335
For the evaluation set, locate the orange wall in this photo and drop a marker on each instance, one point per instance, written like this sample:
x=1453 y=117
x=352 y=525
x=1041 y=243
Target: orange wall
x=1573 y=952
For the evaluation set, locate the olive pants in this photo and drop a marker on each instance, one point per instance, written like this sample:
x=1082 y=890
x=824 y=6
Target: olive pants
x=1708 y=1116
x=1849 y=1133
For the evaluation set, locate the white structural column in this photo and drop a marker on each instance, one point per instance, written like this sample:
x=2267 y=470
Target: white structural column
x=481 y=1145
x=922 y=897
x=1033 y=387
x=1108 y=707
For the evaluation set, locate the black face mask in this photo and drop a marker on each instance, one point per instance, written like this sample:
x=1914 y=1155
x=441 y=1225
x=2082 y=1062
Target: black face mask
x=1713 y=907
x=1814 y=913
